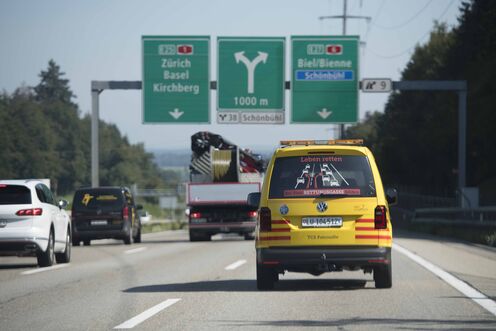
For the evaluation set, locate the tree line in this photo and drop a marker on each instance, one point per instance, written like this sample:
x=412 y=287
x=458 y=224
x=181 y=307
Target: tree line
x=43 y=136
x=415 y=140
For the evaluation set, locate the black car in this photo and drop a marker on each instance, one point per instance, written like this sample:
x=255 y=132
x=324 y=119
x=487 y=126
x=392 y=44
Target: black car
x=105 y=212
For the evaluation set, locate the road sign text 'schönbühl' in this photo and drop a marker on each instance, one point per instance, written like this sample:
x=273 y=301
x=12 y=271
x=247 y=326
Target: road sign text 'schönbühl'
x=325 y=79
x=176 y=79
x=251 y=81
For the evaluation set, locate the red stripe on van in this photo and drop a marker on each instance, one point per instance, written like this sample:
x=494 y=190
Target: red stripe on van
x=366 y=236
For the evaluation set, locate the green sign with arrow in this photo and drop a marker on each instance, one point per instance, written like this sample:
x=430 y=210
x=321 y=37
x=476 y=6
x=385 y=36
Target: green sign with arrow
x=176 y=79
x=324 y=79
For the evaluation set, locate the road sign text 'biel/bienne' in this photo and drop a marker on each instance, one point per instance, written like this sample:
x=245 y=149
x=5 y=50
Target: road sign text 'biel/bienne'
x=251 y=82
x=324 y=79
x=176 y=79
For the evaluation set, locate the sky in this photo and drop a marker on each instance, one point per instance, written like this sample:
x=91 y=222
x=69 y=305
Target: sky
x=101 y=40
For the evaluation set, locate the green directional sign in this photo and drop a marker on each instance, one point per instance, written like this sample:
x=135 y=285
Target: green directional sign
x=250 y=80
x=324 y=79
x=176 y=79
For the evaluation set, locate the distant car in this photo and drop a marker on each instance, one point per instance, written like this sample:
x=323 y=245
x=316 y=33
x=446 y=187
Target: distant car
x=145 y=216
x=105 y=213
x=32 y=223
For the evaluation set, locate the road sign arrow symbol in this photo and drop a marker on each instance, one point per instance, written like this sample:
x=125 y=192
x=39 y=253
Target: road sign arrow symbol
x=324 y=113
x=176 y=113
x=250 y=66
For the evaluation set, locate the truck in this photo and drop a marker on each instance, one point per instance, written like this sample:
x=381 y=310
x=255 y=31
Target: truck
x=221 y=177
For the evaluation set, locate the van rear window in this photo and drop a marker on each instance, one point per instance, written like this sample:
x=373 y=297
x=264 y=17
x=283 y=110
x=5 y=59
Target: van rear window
x=14 y=195
x=97 y=199
x=321 y=175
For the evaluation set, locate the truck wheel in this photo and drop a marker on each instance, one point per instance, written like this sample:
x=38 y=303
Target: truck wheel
x=266 y=277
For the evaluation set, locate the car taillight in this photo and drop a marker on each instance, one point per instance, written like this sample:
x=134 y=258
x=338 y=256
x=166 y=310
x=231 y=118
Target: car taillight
x=252 y=214
x=125 y=212
x=196 y=215
x=30 y=212
x=265 y=217
x=380 y=219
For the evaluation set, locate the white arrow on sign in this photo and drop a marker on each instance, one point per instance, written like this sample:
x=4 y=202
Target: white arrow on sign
x=324 y=113
x=176 y=113
x=250 y=67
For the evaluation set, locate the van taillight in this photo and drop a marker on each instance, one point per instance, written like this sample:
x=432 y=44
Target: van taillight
x=265 y=219
x=252 y=214
x=196 y=215
x=125 y=212
x=380 y=219
x=30 y=212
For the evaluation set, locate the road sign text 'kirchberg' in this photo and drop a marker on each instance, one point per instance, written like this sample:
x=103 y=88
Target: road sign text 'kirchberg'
x=250 y=87
x=176 y=79
x=325 y=79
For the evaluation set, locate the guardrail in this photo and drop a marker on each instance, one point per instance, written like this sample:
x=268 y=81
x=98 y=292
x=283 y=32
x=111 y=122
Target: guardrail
x=473 y=217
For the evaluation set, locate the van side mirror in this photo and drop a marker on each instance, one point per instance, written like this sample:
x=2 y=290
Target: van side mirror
x=254 y=199
x=392 y=196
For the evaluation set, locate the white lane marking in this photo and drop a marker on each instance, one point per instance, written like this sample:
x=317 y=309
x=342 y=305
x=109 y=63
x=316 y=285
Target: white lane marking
x=458 y=284
x=129 y=324
x=235 y=265
x=35 y=271
x=135 y=250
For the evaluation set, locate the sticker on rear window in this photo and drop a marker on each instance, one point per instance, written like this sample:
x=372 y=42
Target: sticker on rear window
x=106 y=197
x=86 y=199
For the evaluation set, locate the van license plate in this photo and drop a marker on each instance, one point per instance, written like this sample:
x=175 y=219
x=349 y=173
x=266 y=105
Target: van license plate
x=322 y=222
x=99 y=222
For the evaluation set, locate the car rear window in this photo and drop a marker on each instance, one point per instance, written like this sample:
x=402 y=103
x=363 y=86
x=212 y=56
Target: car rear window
x=14 y=195
x=315 y=175
x=101 y=199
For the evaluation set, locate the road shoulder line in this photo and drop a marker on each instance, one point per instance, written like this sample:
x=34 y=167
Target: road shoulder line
x=458 y=284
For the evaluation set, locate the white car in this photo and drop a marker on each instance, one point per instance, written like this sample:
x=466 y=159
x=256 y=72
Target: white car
x=32 y=223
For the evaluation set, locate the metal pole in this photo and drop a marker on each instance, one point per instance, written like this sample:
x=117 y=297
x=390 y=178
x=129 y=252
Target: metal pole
x=462 y=138
x=94 y=137
x=345 y=4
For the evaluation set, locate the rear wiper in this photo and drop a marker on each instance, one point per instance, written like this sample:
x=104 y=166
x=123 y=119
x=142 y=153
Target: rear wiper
x=322 y=195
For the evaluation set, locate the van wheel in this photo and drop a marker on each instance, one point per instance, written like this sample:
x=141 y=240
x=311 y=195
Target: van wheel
x=383 y=276
x=266 y=277
x=87 y=242
x=249 y=236
x=194 y=236
x=137 y=239
x=46 y=258
x=129 y=236
x=65 y=256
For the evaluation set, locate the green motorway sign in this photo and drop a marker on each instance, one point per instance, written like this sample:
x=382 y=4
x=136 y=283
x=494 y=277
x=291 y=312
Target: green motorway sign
x=176 y=79
x=324 y=79
x=250 y=80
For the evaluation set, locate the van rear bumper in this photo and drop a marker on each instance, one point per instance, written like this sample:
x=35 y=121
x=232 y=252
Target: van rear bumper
x=321 y=258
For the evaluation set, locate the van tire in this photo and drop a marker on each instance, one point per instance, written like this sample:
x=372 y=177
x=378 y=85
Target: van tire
x=194 y=236
x=266 y=277
x=383 y=276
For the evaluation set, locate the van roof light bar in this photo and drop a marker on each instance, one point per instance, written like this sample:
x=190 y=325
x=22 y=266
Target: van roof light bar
x=322 y=142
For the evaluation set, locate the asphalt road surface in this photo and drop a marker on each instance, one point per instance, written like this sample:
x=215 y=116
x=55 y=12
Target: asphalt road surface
x=166 y=282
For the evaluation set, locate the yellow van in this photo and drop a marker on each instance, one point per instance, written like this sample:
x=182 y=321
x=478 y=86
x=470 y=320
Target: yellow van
x=323 y=208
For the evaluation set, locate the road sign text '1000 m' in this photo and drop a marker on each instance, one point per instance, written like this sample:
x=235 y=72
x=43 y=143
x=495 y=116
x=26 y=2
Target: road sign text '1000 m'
x=251 y=82
x=325 y=79
x=176 y=79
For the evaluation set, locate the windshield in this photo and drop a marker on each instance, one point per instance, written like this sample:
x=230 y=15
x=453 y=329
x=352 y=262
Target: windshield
x=14 y=195
x=321 y=175
x=101 y=199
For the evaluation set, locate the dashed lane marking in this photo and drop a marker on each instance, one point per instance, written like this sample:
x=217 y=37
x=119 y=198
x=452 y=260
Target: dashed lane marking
x=461 y=286
x=235 y=265
x=129 y=324
x=35 y=271
x=135 y=250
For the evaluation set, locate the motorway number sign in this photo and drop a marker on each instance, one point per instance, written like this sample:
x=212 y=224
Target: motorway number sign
x=176 y=79
x=377 y=85
x=324 y=79
x=251 y=81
